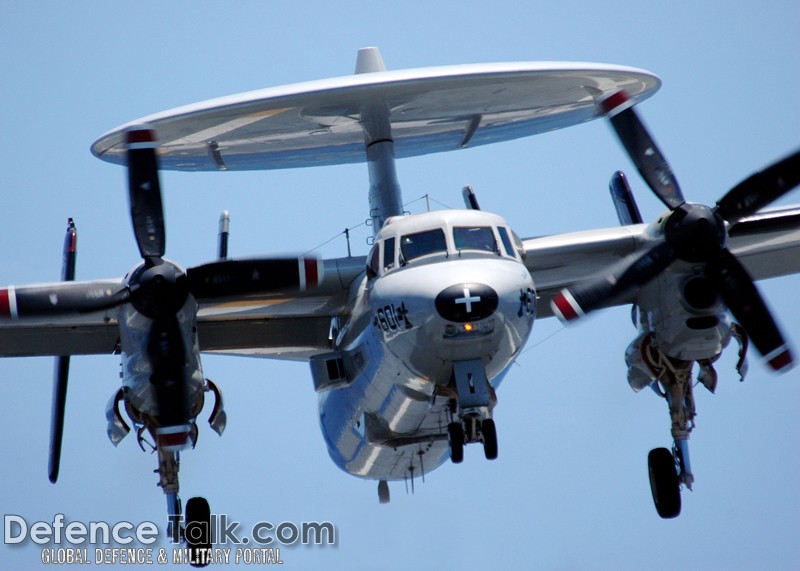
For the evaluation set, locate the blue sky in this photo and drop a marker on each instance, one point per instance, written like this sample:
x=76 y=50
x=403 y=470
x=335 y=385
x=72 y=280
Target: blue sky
x=569 y=490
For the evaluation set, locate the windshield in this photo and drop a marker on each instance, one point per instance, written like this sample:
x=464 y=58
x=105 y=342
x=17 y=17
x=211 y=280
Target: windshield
x=474 y=238
x=422 y=243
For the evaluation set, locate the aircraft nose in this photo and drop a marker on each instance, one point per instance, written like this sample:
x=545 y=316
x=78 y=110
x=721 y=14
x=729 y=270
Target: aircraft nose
x=467 y=302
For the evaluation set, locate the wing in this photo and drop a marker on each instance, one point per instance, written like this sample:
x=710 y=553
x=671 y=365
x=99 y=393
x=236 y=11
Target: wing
x=767 y=243
x=292 y=326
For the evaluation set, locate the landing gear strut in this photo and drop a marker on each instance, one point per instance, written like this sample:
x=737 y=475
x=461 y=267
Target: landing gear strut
x=671 y=379
x=470 y=411
x=669 y=470
x=195 y=527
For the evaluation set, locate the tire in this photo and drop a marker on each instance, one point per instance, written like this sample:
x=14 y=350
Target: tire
x=383 y=492
x=664 y=483
x=489 y=439
x=455 y=437
x=198 y=531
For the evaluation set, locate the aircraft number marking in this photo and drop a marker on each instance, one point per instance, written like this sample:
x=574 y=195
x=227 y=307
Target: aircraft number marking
x=392 y=318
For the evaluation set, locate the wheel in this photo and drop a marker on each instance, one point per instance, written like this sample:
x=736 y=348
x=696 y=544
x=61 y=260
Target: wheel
x=664 y=483
x=489 y=439
x=383 y=492
x=197 y=532
x=455 y=436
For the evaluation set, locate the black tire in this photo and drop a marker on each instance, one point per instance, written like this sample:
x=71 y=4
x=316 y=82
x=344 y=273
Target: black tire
x=197 y=533
x=664 y=483
x=489 y=439
x=383 y=492
x=455 y=437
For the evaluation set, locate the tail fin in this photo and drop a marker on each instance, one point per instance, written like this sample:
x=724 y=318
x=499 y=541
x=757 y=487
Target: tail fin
x=627 y=211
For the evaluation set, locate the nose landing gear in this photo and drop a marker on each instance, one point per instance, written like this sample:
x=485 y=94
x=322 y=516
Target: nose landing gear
x=470 y=411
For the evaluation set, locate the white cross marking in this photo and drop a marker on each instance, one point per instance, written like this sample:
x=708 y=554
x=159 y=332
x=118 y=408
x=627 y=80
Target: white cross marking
x=467 y=300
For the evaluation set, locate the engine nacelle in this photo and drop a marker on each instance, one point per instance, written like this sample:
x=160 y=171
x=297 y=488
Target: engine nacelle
x=685 y=315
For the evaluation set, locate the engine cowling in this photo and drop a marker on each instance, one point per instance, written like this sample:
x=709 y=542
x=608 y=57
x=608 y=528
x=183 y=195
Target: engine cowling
x=685 y=315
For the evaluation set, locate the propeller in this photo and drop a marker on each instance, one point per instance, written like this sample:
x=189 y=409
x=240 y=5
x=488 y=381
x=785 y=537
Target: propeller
x=691 y=232
x=158 y=289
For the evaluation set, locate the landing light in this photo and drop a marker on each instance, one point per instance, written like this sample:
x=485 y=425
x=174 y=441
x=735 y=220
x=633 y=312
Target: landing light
x=452 y=330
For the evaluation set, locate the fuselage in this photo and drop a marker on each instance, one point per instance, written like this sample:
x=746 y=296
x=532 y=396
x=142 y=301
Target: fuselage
x=440 y=288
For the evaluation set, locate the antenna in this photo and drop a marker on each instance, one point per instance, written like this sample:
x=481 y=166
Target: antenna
x=224 y=234
x=470 y=199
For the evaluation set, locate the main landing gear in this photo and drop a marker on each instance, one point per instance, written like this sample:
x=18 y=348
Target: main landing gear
x=470 y=411
x=192 y=528
x=669 y=470
x=197 y=531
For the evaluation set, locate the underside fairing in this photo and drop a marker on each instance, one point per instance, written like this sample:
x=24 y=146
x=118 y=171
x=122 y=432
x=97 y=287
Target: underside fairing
x=386 y=420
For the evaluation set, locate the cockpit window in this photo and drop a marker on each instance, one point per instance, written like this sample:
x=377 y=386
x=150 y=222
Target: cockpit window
x=388 y=253
x=507 y=245
x=372 y=261
x=422 y=243
x=475 y=238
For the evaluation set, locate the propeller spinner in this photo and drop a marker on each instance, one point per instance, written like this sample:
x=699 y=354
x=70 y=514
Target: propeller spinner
x=691 y=232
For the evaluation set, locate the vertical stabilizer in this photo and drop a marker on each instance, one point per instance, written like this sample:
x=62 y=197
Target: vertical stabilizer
x=624 y=203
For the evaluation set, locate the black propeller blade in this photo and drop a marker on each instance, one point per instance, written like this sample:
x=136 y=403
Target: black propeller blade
x=623 y=278
x=147 y=211
x=241 y=277
x=167 y=353
x=746 y=304
x=64 y=299
x=760 y=189
x=692 y=232
x=641 y=147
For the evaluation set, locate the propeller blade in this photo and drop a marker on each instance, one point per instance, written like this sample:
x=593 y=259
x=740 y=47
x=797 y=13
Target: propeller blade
x=60 y=299
x=760 y=189
x=167 y=354
x=574 y=302
x=240 y=277
x=642 y=149
x=147 y=211
x=746 y=304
